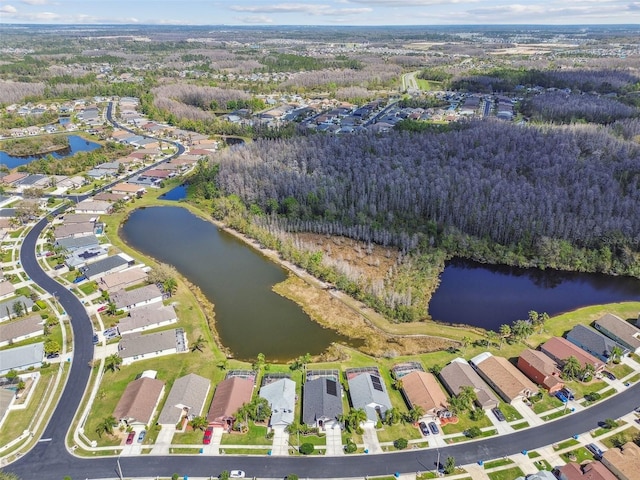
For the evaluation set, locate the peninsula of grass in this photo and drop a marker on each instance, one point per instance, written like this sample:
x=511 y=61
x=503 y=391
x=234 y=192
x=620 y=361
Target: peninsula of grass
x=32 y=146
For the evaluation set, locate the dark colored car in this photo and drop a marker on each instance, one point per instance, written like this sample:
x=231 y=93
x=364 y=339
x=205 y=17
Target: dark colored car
x=207 y=435
x=434 y=428
x=423 y=428
x=595 y=450
x=130 y=437
x=498 y=413
x=609 y=375
x=53 y=355
x=561 y=396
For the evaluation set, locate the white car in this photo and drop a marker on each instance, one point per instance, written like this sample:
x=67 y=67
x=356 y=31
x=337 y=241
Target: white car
x=236 y=474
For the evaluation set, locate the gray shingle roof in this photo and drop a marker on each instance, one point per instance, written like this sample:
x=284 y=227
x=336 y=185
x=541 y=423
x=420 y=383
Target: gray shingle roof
x=127 y=298
x=137 y=344
x=19 y=358
x=620 y=328
x=321 y=401
x=459 y=373
x=365 y=396
x=103 y=266
x=592 y=341
x=71 y=244
x=7 y=305
x=145 y=316
x=281 y=396
x=19 y=328
x=187 y=395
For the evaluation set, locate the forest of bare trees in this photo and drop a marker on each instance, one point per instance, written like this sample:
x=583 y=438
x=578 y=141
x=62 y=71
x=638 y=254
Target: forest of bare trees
x=570 y=108
x=491 y=180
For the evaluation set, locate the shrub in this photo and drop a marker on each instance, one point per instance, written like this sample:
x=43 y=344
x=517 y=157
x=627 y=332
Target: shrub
x=592 y=397
x=473 y=432
x=306 y=448
x=291 y=476
x=400 y=443
x=35 y=308
x=350 y=447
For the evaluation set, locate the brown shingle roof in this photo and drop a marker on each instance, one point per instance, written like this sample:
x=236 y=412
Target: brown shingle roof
x=139 y=400
x=459 y=374
x=620 y=328
x=229 y=396
x=540 y=361
x=588 y=471
x=19 y=328
x=509 y=381
x=421 y=388
x=624 y=462
x=560 y=349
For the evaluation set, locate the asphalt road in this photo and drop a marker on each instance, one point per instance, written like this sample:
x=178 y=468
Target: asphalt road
x=50 y=459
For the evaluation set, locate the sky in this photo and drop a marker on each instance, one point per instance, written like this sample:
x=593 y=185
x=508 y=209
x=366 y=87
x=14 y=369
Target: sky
x=321 y=12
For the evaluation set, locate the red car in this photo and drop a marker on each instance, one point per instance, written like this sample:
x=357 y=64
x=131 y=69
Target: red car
x=130 y=437
x=207 y=435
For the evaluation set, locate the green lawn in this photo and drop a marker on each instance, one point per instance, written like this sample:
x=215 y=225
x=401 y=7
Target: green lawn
x=634 y=379
x=558 y=414
x=628 y=435
x=508 y=474
x=188 y=437
x=464 y=423
x=581 y=389
x=533 y=454
x=88 y=288
x=520 y=426
x=566 y=444
x=543 y=465
x=620 y=370
x=313 y=439
x=399 y=430
x=579 y=455
x=510 y=412
x=497 y=463
x=255 y=436
x=547 y=402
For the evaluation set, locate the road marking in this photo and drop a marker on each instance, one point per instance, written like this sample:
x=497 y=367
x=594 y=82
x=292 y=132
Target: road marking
x=45 y=440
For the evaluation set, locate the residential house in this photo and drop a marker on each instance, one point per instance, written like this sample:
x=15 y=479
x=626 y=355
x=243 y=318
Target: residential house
x=158 y=173
x=368 y=391
x=92 y=206
x=281 y=395
x=139 y=402
x=458 y=373
x=623 y=462
x=508 y=382
x=8 y=307
x=111 y=264
x=422 y=389
x=322 y=399
x=560 y=349
x=586 y=471
x=113 y=282
x=6 y=289
x=147 y=318
x=83 y=256
x=137 y=346
x=71 y=244
x=13 y=178
x=541 y=368
x=139 y=297
x=186 y=399
x=21 y=329
x=620 y=331
x=593 y=342
x=74 y=230
x=230 y=395
x=7 y=397
x=110 y=197
x=539 y=475
x=21 y=358
x=71 y=218
x=128 y=189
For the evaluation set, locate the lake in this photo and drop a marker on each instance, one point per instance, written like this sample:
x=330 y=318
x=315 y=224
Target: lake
x=76 y=144
x=488 y=296
x=250 y=317
x=176 y=193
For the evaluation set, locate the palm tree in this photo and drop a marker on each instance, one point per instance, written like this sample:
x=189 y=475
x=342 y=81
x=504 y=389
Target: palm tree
x=456 y=405
x=199 y=423
x=198 y=344
x=415 y=413
x=170 y=286
x=616 y=353
x=571 y=368
x=467 y=396
x=112 y=362
x=396 y=384
x=355 y=417
x=435 y=369
x=465 y=342
x=294 y=428
x=223 y=364
x=106 y=426
x=111 y=308
x=587 y=372
x=492 y=337
x=505 y=333
x=392 y=416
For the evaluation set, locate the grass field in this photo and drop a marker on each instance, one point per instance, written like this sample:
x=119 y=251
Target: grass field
x=627 y=435
x=579 y=455
x=508 y=474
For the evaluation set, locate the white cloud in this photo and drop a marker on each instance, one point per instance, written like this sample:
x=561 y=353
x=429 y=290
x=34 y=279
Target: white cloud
x=309 y=9
x=8 y=9
x=255 y=19
x=35 y=2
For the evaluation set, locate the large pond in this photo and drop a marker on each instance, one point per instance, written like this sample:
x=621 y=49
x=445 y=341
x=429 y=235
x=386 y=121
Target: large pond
x=490 y=296
x=250 y=317
x=76 y=144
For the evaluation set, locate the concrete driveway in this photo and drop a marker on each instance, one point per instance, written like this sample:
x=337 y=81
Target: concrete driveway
x=334 y=440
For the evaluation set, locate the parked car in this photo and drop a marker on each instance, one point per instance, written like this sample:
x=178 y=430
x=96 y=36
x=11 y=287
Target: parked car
x=52 y=355
x=567 y=392
x=103 y=308
x=434 y=428
x=498 y=413
x=423 y=428
x=95 y=339
x=609 y=375
x=141 y=436
x=236 y=474
x=207 y=435
x=593 y=448
x=130 y=437
x=561 y=396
